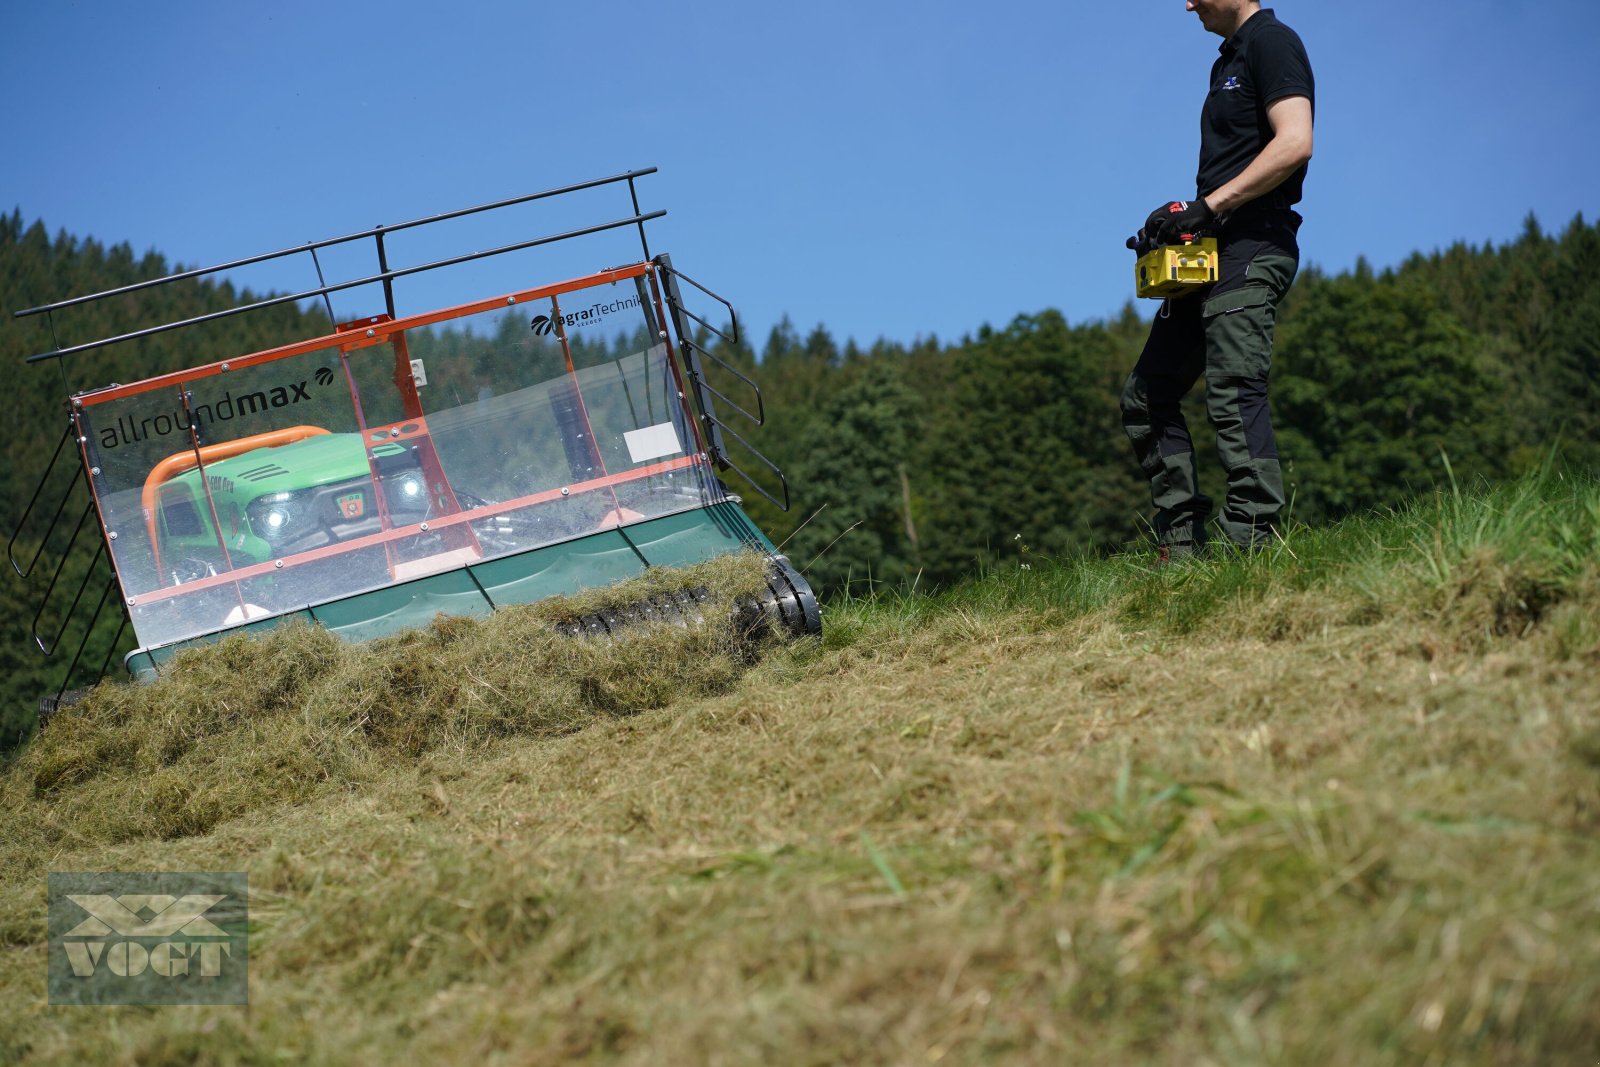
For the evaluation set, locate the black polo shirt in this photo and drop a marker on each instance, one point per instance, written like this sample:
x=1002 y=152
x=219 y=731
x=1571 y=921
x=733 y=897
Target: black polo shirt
x=1262 y=63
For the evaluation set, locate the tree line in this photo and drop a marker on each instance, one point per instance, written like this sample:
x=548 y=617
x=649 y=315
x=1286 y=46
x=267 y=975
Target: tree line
x=921 y=462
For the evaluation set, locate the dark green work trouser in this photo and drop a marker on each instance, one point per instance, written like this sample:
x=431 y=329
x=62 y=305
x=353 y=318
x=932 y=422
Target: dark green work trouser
x=1225 y=333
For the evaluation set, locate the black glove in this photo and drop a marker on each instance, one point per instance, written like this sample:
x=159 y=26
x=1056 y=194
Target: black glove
x=1140 y=243
x=1172 y=221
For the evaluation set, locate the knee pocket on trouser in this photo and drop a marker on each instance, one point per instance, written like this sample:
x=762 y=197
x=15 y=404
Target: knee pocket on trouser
x=1239 y=328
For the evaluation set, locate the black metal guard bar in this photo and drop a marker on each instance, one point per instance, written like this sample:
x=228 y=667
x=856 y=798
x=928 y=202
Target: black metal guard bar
x=707 y=325
x=694 y=348
x=384 y=276
x=388 y=283
x=88 y=632
x=362 y=235
x=701 y=383
x=733 y=316
x=16 y=533
x=633 y=191
x=760 y=418
x=730 y=465
x=44 y=602
x=691 y=359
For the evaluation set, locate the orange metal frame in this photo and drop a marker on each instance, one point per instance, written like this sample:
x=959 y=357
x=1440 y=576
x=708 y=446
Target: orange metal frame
x=378 y=334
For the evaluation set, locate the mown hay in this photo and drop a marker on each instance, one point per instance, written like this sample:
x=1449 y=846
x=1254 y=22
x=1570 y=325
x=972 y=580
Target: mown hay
x=1308 y=807
x=254 y=721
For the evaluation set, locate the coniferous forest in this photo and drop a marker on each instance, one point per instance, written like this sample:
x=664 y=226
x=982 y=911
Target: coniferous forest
x=923 y=463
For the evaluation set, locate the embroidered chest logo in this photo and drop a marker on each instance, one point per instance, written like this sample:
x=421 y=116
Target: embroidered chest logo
x=1231 y=84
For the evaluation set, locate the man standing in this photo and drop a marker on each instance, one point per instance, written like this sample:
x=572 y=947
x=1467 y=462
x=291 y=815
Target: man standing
x=1255 y=142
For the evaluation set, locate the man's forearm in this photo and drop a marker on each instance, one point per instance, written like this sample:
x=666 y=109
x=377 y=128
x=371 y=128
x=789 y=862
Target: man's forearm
x=1287 y=152
x=1283 y=156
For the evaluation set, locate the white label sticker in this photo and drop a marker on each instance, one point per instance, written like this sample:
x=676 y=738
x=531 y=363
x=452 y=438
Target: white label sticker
x=653 y=442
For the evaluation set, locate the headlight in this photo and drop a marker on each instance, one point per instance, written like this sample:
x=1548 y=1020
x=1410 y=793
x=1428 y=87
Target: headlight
x=278 y=517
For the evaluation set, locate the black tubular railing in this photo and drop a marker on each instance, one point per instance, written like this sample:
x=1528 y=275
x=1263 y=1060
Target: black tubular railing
x=88 y=634
x=759 y=416
x=73 y=685
x=722 y=427
x=50 y=625
x=715 y=428
x=99 y=567
x=49 y=647
x=385 y=276
x=11 y=546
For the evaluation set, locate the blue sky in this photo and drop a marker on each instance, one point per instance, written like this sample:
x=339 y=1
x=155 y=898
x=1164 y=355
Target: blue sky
x=888 y=169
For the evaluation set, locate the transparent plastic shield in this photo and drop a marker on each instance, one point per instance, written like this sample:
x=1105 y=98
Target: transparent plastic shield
x=393 y=455
x=551 y=423
x=303 y=506
x=223 y=513
x=126 y=440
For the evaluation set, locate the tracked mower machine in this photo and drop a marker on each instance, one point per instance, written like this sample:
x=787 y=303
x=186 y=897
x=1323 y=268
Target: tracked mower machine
x=549 y=437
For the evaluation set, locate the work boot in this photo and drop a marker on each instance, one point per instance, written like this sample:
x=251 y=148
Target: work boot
x=1176 y=552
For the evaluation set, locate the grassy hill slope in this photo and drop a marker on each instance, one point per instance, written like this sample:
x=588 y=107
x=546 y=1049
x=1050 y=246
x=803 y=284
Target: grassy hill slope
x=1337 y=803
